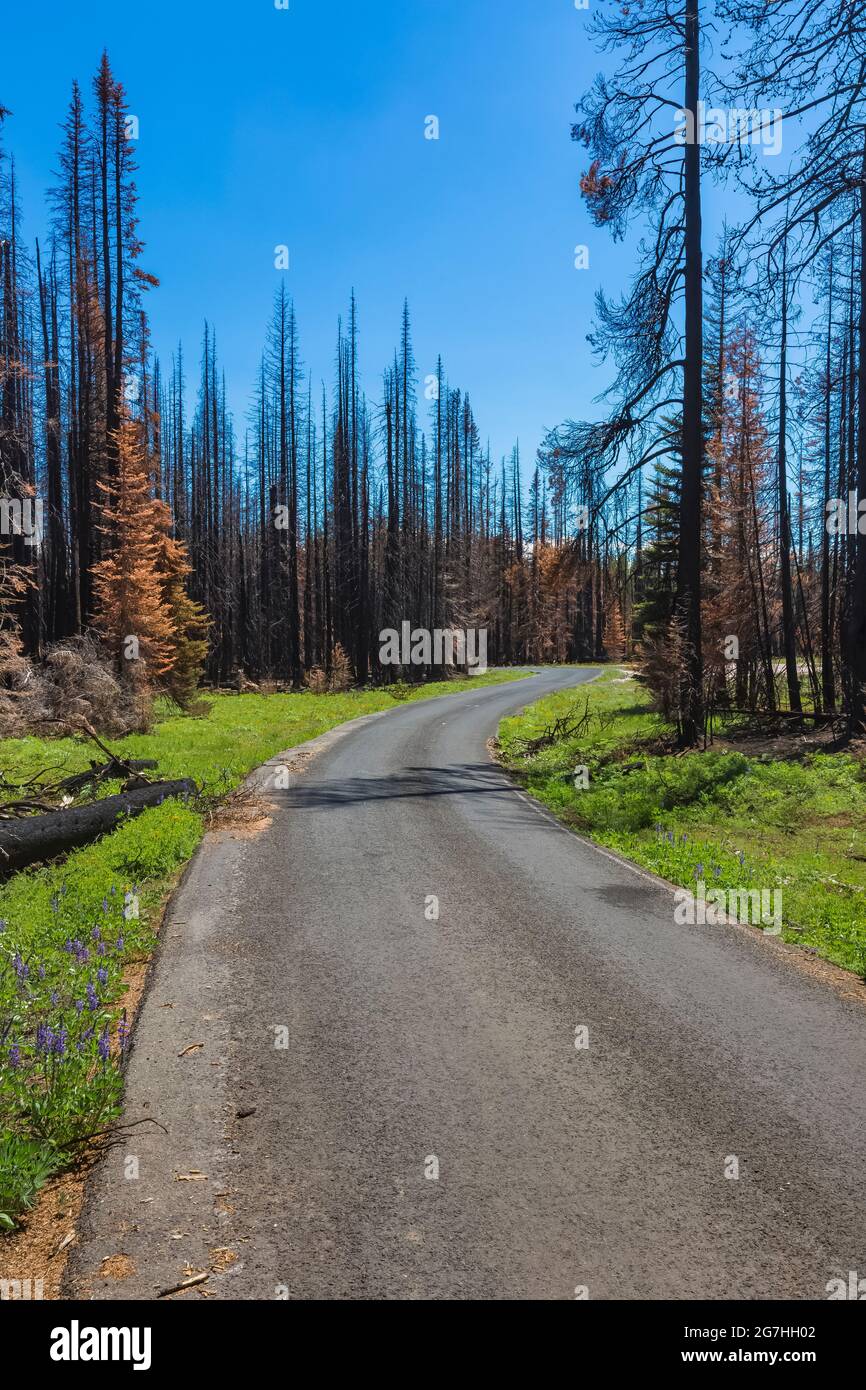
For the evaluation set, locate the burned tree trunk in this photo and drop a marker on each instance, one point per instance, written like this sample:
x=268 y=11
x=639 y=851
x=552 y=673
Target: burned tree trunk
x=37 y=838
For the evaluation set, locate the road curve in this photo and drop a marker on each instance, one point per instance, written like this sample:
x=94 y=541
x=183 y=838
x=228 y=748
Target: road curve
x=416 y=1045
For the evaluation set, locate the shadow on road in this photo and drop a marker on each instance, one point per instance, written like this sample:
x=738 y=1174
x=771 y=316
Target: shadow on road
x=467 y=779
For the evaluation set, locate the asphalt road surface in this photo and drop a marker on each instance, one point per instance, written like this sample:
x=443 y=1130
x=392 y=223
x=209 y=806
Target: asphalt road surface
x=340 y=1049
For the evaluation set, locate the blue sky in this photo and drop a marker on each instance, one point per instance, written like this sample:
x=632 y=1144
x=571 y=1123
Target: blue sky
x=305 y=126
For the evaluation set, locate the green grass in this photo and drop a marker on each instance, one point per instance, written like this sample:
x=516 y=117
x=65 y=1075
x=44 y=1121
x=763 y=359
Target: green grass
x=69 y=931
x=240 y=732
x=732 y=820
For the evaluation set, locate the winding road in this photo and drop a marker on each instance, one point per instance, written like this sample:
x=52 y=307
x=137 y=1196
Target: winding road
x=362 y=1101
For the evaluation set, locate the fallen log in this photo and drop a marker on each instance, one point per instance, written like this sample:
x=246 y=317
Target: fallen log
x=37 y=838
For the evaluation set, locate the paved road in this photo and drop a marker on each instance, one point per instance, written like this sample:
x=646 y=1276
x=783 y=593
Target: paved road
x=411 y=1039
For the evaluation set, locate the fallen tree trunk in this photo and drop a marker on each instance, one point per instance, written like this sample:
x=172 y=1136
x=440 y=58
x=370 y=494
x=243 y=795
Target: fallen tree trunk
x=36 y=838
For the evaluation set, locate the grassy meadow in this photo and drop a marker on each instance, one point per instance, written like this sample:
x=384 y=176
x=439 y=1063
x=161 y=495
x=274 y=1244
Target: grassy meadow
x=732 y=820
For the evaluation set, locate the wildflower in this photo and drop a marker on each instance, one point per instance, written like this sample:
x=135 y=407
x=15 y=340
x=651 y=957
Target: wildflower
x=92 y=997
x=3 y=923
x=15 y=1056
x=55 y=997
x=55 y=904
x=119 y=943
x=96 y=933
x=103 y=1044
x=102 y=975
x=60 y=1041
x=42 y=972
x=699 y=871
x=105 y=904
x=123 y=1034
x=79 y=1006
x=21 y=970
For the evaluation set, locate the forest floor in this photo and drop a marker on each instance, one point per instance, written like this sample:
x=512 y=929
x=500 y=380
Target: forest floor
x=750 y=812
x=76 y=937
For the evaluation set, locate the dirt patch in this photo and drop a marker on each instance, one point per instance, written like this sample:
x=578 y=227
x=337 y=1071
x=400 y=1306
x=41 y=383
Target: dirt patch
x=38 y=1251
x=117 y=1267
x=222 y=1259
x=788 y=745
x=243 y=815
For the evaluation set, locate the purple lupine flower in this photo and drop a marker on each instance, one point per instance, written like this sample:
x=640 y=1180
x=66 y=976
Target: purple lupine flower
x=670 y=837
x=123 y=1034
x=42 y=972
x=699 y=870
x=69 y=945
x=101 y=949
x=96 y=933
x=3 y=923
x=717 y=873
x=15 y=1056
x=105 y=904
x=103 y=1044
x=55 y=997
x=79 y=1006
x=92 y=997
x=742 y=858
x=119 y=943
x=102 y=975
x=44 y=1038
x=21 y=970
x=113 y=890
x=60 y=1040
x=55 y=904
